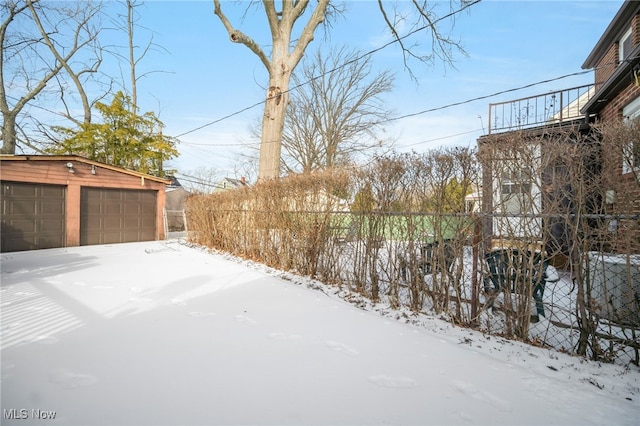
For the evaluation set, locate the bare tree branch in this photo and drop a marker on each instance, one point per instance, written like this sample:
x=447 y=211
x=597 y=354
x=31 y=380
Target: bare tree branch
x=29 y=64
x=334 y=116
x=284 y=58
x=83 y=26
x=237 y=36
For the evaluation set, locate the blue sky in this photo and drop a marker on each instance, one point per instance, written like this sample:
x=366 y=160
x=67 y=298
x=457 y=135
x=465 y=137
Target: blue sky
x=510 y=44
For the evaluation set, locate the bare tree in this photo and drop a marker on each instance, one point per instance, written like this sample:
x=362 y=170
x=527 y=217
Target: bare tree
x=135 y=51
x=31 y=58
x=131 y=4
x=202 y=180
x=337 y=114
x=288 y=48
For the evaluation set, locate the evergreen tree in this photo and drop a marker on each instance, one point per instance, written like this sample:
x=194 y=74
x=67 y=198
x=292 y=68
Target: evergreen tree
x=124 y=139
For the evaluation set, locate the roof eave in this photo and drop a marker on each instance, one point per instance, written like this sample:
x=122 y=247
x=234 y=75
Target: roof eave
x=82 y=160
x=616 y=28
x=620 y=79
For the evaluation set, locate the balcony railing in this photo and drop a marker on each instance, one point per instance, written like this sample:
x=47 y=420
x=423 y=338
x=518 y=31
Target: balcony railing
x=550 y=108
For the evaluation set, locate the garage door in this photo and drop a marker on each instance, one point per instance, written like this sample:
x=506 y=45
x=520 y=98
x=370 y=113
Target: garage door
x=117 y=216
x=33 y=216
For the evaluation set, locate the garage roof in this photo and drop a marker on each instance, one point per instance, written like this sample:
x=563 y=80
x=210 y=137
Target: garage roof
x=82 y=160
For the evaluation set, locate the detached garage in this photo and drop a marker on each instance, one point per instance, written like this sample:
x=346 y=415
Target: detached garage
x=60 y=201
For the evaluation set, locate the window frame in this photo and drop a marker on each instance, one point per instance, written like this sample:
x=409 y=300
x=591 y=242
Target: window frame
x=516 y=190
x=622 y=52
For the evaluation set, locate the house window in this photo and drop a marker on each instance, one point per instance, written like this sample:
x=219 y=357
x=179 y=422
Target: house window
x=516 y=192
x=631 y=151
x=624 y=46
x=516 y=182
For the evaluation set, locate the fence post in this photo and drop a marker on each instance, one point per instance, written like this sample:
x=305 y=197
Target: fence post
x=474 y=268
x=166 y=224
x=184 y=221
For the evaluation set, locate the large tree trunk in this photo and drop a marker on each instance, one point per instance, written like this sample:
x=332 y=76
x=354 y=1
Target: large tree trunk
x=280 y=66
x=8 y=134
x=273 y=122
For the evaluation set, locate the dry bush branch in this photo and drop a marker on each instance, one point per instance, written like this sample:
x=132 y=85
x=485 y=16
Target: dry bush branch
x=397 y=231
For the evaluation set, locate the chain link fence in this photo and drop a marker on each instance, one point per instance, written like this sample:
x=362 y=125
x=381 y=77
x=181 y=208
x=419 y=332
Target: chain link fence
x=542 y=256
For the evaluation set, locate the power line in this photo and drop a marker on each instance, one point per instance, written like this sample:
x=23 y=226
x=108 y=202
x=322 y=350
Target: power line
x=441 y=138
x=246 y=144
x=479 y=98
x=185 y=178
x=391 y=119
x=369 y=53
x=439 y=108
x=221 y=119
x=396 y=40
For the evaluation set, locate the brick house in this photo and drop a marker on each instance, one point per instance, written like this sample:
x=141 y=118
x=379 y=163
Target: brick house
x=63 y=201
x=561 y=176
x=513 y=186
x=616 y=62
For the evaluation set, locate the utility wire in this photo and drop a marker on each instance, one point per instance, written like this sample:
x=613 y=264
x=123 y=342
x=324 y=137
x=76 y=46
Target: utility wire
x=369 y=53
x=441 y=138
x=439 y=108
x=413 y=114
x=479 y=98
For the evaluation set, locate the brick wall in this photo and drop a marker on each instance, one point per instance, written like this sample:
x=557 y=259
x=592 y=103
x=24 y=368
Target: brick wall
x=606 y=66
x=613 y=111
x=625 y=186
x=609 y=62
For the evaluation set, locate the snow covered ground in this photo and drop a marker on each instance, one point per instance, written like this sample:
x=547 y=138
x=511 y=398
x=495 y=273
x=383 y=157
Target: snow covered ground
x=162 y=333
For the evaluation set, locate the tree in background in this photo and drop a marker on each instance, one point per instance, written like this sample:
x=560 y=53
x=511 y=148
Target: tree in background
x=288 y=48
x=455 y=192
x=335 y=111
x=363 y=200
x=202 y=180
x=136 y=51
x=52 y=51
x=124 y=139
x=34 y=63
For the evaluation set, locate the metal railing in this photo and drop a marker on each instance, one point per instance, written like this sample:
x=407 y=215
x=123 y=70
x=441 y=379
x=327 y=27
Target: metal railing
x=540 y=110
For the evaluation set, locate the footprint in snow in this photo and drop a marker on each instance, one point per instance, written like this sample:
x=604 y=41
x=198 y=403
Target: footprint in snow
x=245 y=320
x=70 y=380
x=466 y=417
x=140 y=299
x=178 y=302
x=197 y=314
x=393 y=382
x=481 y=395
x=283 y=336
x=341 y=347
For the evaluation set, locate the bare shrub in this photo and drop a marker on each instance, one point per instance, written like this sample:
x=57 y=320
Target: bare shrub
x=396 y=231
